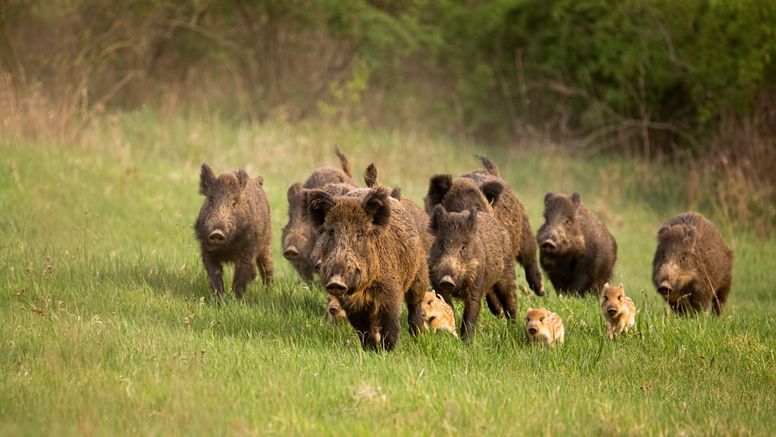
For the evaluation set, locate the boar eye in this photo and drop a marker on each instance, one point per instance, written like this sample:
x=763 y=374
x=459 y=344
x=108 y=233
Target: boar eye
x=541 y=319
x=619 y=298
x=234 y=202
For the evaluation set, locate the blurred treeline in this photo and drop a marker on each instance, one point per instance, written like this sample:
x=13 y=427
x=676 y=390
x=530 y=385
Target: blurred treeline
x=648 y=78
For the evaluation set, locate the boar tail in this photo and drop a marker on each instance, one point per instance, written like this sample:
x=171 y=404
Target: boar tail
x=490 y=166
x=344 y=162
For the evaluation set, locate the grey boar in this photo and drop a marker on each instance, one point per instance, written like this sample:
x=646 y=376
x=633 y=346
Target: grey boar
x=485 y=190
x=576 y=249
x=234 y=226
x=692 y=268
x=295 y=238
x=372 y=258
x=471 y=256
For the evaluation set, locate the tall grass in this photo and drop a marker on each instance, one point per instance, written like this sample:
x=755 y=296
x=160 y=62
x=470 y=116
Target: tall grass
x=107 y=325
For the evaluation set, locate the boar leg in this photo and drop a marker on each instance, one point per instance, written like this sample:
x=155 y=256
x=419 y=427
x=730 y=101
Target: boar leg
x=244 y=272
x=264 y=261
x=360 y=323
x=505 y=290
x=494 y=304
x=720 y=298
x=389 y=322
x=215 y=275
x=414 y=297
x=471 y=313
x=581 y=283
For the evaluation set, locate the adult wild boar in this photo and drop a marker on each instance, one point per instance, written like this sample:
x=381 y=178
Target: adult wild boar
x=489 y=193
x=471 y=256
x=576 y=249
x=373 y=258
x=295 y=238
x=234 y=226
x=692 y=268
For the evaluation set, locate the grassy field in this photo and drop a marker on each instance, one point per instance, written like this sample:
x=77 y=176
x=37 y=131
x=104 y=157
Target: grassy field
x=106 y=324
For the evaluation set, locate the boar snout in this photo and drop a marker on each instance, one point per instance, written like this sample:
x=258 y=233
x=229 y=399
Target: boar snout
x=336 y=286
x=664 y=288
x=532 y=330
x=217 y=236
x=446 y=283
x=611 y=310
x=549 y=245
x=291 y=253
x=333 y=309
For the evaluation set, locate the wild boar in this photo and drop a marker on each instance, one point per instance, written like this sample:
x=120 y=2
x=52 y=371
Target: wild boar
x=618 y=310
x=373 y=257
x=295 y=237
x=334 y=310
x=471 y=255
x=544 y=326
x=485 y=190
x=692 y=268
x=576 y=249
x=234 y=226
x=437 y=314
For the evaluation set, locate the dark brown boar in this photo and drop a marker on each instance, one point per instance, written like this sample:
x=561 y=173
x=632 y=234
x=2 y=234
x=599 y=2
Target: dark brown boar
x=372 y=258
x=234 y=226
x=471 y=256
x=576 y=249
x=692 y=268
x=485 y=190
x=295 y=237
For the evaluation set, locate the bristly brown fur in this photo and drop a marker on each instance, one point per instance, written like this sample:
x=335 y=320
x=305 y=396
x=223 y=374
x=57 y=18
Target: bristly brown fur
x=296 y=237
x=577 y=251
x=233 y=226
x=371 y=258
x=485 y=190
x=471 y=258
x=692 y=265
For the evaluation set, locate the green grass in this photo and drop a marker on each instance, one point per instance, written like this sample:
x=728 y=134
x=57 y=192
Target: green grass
x=106 y=324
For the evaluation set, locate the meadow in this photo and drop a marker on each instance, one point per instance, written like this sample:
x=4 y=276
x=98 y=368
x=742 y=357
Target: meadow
x=107 y=325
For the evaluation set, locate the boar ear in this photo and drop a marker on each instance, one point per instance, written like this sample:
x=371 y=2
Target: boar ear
x=663 y=229
x=438 y=186
x=605 y=285
x=370 y=176
x=471 y=220
x=492 y=191
x=690 y=234
x=547 y=199
x=396 y=193
x=206 y=178
x=319 y=203
x=260 y=180
x=242 y=178
x=293 y=191
x=576 y=199
x=621 y=287
x=436 y=219
x=377 y=205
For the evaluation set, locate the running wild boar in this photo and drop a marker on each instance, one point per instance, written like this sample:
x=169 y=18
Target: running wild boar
x=486 y=191
x=295 y=238
x=234 y=226
x=373 y=258
x=471 y=256
x=576 y=249
x=692 y=268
